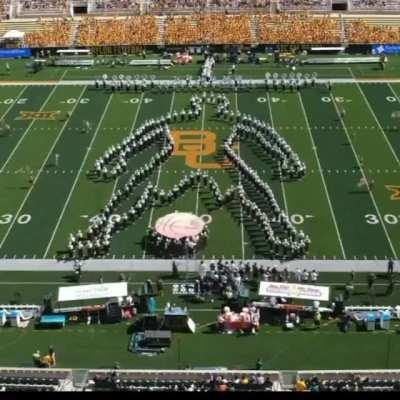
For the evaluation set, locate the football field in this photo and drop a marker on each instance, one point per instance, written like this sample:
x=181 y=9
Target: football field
x=47 y=191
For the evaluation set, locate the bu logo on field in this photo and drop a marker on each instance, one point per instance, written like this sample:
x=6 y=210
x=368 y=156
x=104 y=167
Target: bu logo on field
x=195 y=144
x=42 y=115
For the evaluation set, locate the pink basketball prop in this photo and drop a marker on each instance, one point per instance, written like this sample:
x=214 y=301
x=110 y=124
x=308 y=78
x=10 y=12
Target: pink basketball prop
x=179 y=225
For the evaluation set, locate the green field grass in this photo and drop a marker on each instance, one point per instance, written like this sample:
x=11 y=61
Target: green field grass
x=343 y=221
x=35 y=220
x=99 y=346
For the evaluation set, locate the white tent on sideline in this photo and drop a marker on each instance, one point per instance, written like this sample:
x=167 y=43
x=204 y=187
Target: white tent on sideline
x=13 y=34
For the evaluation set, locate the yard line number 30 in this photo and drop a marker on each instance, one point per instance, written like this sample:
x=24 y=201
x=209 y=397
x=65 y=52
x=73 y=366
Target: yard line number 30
x=23 y=219
x=373 y=219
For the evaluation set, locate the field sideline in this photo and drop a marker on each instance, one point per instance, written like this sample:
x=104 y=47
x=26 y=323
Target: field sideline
x=20 y=72
x=78 y=345
x=35 y=220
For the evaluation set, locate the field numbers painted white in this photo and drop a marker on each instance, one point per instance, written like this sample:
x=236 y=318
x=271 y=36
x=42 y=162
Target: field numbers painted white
x=22 y=219
x=298 y=219
x=390 y=219
x=72 y=100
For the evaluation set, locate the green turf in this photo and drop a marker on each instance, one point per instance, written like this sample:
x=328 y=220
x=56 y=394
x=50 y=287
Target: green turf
x=342 y=220
x=356 y=223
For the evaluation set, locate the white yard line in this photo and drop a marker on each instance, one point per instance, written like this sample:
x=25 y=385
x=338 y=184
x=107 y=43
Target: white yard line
x=114 y=187
x=240 y=182
x=15 y=102
x=314 y=147
x=132 y=127
x=63 y=75
x=365 y=178
x=77 y=176
x=282 y=184
x=27 y=130
x=201 y=156
x=158 y=176
x=38 y=174
x=351 y=73
x=377 y=121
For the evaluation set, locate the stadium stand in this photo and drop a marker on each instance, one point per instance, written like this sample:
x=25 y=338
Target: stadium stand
x=26 y=8
x=118 y=31
x=51 y=34
x=298 y=29
x=174 y=6
x=51 y=380
x=206 y=29
x=362 y=32
x=309 y=5
x=35 y=380
x=4 y=8
x=42 y=7
x=375 y=5
x=215 y=26
x=213 y=29
x=182 y=29
x=241 y=5
x=191 y=381
x=117 y=6
x=23 y=25
x=349 y=381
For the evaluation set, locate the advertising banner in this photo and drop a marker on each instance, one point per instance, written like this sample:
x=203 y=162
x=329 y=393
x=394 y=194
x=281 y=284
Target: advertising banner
x=386 y=48
x=87 y=292
x=294 y=291
x=15 y=53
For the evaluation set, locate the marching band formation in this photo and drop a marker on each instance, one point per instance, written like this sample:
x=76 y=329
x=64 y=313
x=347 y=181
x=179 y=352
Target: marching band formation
x=207 y=81
x=281 y=237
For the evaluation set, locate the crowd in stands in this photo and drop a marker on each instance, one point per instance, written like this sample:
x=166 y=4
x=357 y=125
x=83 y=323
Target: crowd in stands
x=361 y=32
x=182 y=30
x=175 y=5
x=376 y=4
x=44 y=5
x=199 y=5
x=285 y=5
x=239 y=4
x=52 y=34
x=210 y=29
x=4 y=8
x=171 y=6
x=223 y=29
x=297 y=29
x=350 y=384
x=199 y=28
x=116 y=5
x=218 y=383
x=220 y=29
x=31 y=380
x=130 y=30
